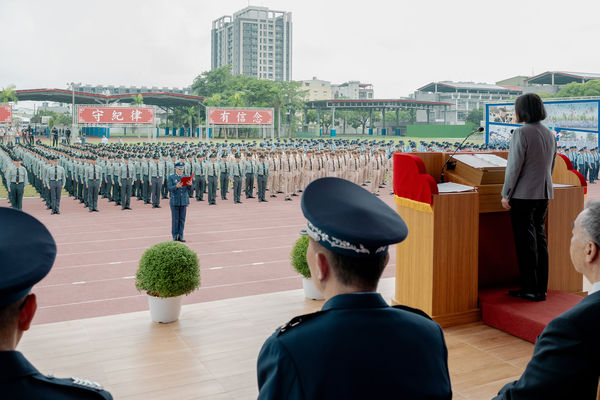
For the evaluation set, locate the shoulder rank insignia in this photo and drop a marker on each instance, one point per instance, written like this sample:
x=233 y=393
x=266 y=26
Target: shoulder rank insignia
x=87 y=384
x=297 y=321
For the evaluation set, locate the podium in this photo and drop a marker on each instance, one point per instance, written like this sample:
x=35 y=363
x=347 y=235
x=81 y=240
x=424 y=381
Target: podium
x=460 y=238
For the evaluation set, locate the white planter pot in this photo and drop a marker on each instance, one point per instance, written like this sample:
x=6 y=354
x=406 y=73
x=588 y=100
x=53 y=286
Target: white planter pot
x=310 y=290
x=164 y=309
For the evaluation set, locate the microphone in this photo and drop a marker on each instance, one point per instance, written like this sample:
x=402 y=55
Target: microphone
x=478 y=130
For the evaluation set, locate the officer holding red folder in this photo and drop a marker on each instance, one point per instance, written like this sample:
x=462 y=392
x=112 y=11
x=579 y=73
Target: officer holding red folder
x=179 y=200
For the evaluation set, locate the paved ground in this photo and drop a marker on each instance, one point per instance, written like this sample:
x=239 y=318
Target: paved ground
x=243 y=250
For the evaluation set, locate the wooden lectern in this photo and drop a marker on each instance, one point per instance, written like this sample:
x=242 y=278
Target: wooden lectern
x=460 y=238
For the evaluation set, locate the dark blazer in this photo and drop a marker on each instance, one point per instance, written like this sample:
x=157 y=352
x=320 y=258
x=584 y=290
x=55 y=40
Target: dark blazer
x=178 y=196
x=21 y=380
x=530 y=163
x=566 y=358
x=357 y=347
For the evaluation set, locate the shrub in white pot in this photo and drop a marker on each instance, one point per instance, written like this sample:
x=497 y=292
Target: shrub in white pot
x=299 y=263
x=167 y=271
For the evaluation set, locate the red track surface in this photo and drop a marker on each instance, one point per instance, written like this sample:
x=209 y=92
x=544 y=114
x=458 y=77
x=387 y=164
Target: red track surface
x=243 y=250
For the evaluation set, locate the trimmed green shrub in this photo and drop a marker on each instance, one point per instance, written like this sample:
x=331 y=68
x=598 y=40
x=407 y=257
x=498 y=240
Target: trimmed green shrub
x=168 y=269
x=298 y=256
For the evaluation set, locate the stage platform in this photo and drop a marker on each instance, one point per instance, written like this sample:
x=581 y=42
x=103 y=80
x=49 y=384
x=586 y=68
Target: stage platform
x=210 y=353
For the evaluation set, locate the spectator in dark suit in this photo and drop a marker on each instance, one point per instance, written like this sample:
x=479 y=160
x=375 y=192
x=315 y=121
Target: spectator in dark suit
x=179 y=201
x=357 y=346
x=527 y=188
x=23 y=263
x=566 y=358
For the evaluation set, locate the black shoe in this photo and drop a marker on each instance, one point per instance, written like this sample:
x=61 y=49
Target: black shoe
x=294 y=194
x=158 y=206
x=128 y=208
x=265 y=201
x=515 y=293
x=300 y=191
x=181 y=240
x=224 y=198
x=273 y=195
x=288 y=199
x=531 y=296
x=94 y=210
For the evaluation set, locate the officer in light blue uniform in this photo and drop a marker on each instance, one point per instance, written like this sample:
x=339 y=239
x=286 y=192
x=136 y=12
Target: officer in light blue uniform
x=179 y=201
x=357 y=346
x=23 y=263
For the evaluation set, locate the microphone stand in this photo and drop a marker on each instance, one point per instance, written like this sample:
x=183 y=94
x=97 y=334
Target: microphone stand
x=457 y=149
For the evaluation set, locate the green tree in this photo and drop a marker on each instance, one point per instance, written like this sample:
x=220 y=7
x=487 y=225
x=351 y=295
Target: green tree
x=475 y=116
x=137 y=100
x=574 y=89
x=8 y=95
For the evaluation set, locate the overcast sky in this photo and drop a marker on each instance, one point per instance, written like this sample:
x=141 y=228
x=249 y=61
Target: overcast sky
x=397 y=46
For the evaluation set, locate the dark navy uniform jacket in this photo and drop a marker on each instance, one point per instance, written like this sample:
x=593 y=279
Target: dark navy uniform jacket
x=179 y=196
x=356 y=347
x=566 y=357
x=19 y=380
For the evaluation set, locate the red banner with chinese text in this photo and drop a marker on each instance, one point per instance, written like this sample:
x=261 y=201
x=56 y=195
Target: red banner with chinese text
x=236 y=116
x=115 y=115
x=5 y=114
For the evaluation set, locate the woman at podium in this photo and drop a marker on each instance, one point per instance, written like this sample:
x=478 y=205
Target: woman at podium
x=527 y=188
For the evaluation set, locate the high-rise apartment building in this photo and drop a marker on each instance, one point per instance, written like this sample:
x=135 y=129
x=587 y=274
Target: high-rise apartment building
x=256 y=42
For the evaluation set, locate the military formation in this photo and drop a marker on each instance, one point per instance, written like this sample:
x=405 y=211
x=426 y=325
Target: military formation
x=585 y=161
x=250 y=169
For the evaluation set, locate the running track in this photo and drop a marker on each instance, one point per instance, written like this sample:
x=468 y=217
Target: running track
x=243 y=250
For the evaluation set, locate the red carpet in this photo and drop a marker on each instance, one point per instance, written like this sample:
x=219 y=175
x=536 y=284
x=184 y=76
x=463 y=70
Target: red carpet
x=523 y=318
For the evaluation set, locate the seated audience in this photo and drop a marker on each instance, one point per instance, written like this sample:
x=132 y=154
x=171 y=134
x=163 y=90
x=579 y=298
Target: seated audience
x=357 y=346
x=23 y=263
x=566 y=358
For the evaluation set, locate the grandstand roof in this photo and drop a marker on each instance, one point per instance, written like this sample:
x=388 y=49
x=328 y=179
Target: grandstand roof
x=448 y=86
x=561 y=77
x=66 y=96
x=374 y=103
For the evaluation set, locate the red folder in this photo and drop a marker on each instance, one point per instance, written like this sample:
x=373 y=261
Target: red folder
x=186 y=180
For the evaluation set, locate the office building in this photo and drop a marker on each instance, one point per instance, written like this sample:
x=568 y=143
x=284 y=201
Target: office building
x=256 y=42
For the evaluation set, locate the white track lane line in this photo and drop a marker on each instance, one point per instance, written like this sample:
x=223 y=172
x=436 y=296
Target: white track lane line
x=187 y=234
x=203 y=243
x=132 y=277
x=295 y=277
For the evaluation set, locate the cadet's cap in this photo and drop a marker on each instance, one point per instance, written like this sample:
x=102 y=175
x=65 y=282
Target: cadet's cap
x=179 y=164
x=346 y=219
x=27 y=252
x=237 y=155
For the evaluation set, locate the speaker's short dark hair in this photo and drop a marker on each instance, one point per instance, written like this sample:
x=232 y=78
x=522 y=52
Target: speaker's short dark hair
x=530 y=108
x=358 y=272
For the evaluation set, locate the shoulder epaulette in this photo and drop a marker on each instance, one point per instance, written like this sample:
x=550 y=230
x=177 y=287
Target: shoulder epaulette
x=75 y=382
x=297 y=321
x=413 y=310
